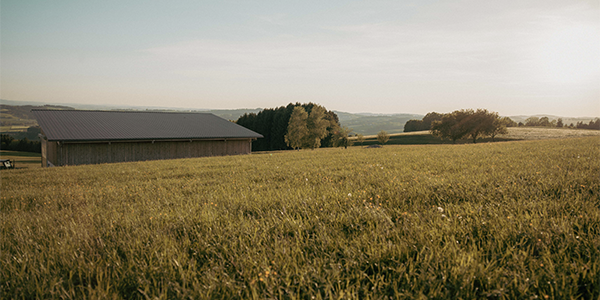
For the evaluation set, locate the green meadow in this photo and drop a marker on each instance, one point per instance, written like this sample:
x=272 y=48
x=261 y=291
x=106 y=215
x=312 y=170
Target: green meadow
x=506 y=220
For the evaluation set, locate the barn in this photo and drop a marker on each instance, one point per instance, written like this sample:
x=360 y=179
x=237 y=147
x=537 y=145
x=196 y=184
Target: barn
x=78 y=137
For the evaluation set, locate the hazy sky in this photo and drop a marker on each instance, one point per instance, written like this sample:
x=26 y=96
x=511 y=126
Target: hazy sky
x=513 y=57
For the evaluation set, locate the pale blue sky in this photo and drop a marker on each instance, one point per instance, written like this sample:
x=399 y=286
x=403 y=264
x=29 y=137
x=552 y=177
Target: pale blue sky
x=513 y=57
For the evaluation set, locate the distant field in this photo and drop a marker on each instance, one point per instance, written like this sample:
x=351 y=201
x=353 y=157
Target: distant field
x=537 y=133
x=13 y=128
x=23 y=160
x=511 y=220
x=514 y=133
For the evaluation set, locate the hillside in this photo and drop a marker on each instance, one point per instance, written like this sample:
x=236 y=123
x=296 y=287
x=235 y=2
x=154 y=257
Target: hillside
x=515 y=220
x=368 y=124
x=363 y=123
x=19 y=117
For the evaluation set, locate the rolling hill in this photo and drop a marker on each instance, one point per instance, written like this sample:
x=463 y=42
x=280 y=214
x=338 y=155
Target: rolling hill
x=17 y=114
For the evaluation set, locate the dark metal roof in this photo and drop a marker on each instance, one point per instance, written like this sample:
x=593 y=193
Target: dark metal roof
x=86 y=125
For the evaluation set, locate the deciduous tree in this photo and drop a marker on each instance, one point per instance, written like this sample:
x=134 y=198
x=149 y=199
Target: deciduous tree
x=544 y=121
x=477 y=124
x=342 y=137
x=383 y=137
x=532 y=121
x=272 y=123
x=469 y=123
x=451 y=126
x=498 y=125
x=297 y=129
x=317 y=127
x=413 y=125
x=360 y=138
x=424 y=124
x=508 y=122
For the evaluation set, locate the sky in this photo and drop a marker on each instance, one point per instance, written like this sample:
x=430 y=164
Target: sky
x=514 y=57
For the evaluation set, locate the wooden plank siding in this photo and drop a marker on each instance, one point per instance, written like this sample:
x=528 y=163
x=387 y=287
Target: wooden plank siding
x=50 y=154
x=80 y=153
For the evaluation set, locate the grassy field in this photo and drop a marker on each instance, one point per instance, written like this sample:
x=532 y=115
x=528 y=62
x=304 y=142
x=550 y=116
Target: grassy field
x=512 y=220
x=23 y=160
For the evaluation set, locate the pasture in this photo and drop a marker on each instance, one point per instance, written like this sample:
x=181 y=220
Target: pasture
x=23 y=160
x=511 y=220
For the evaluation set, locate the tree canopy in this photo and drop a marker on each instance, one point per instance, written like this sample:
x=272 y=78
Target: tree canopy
x=424 y=124
x=383 y=137
x=360 y=138
x=317 y=127
x=469 y=123
x=273 y=123
x=297 y=128
x=342 y=137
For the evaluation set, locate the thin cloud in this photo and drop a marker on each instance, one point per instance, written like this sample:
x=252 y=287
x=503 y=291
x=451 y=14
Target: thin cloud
x=368 y=49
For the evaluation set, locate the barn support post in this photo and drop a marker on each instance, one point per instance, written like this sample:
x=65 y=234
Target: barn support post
x=61 y=158
x=44 y=143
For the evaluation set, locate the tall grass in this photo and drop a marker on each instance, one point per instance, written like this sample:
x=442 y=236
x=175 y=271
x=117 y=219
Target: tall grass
x=511 y=220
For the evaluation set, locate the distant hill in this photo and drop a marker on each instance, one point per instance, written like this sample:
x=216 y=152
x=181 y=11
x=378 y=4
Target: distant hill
x=94 y=106
x=24 y=107
x=17 y=113
x=369 y=124
x=20 y=116
x=233 y=114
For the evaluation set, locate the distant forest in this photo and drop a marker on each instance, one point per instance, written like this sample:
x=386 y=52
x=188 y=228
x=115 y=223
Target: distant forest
x=24 y=144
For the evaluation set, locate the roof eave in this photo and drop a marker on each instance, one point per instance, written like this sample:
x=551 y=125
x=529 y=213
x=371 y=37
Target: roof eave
x=151 y=139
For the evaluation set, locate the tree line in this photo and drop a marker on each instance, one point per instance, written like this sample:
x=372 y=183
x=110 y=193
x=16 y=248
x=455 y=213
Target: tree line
x=428 y=119
x=26 y=145
x=546 y=122
x=312 y=126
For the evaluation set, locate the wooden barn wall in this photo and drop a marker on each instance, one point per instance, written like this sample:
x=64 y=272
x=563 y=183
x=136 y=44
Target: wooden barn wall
x=44 y=143
x=51 y=153
x=97 y=153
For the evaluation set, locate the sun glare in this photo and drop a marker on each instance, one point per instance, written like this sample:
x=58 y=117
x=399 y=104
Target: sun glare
x=570 y=55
